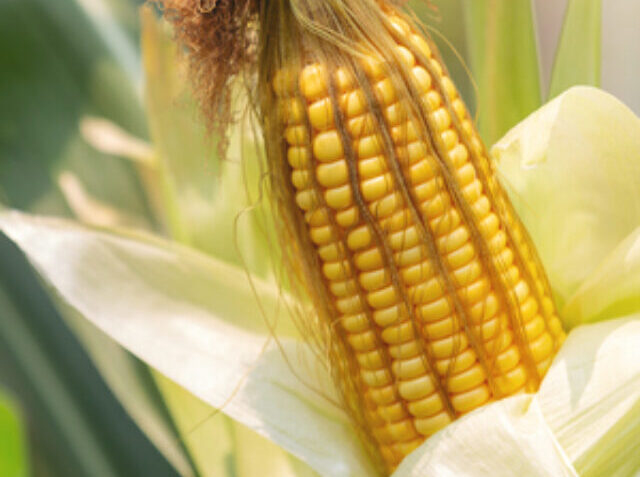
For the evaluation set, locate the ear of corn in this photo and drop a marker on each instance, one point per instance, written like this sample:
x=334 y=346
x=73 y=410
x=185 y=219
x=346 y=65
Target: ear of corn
x=417 y=264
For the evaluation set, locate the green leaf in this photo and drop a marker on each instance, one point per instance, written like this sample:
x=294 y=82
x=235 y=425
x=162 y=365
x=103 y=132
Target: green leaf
x=572 y=171
x=205 y=198
x=612 y=289
x=583 y=420
x=577 y=59
x=13 y=454
x=504 y=61
x=239 y=451
x=197 y=321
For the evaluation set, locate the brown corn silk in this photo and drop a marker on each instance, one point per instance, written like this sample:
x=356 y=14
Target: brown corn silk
x=429 y=296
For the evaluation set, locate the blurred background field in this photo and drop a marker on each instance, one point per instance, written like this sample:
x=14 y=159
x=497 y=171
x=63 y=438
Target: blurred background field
x=81 y=99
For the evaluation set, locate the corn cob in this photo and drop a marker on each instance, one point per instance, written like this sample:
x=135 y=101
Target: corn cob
x=434 y=287
x=430 y=300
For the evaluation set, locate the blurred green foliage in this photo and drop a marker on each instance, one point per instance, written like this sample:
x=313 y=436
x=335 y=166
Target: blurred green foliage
x=13 y=454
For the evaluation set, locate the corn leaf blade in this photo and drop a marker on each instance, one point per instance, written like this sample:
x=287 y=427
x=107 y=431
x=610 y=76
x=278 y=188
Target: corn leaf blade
x=578 y=57
x=571 y=170
x=504 y=60
x=13 y=453
x=196 y=320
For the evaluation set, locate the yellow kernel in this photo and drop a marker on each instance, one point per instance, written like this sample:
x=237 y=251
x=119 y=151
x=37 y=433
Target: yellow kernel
x=395 y=114
x=361 y=126
x=453 y=240
x=405 y=133
x=417 y=273
x=376 y=378
x=296 y=135
x=376 y=188
x=400 y=431
x=375 y=279
x=466 y=274
x=412 y=152
x=355 y=323
x=292 y=111
x=343 y=288
x=534 y=328
x=371 y=360
x=421 y=44
x=385 y=92
x=507 y=360
x=426 y=292
x=368 y=260
x=365 y=341
x=387 y=205
x=317 y=217
x=331 y=252
x=337 y=270
x=321 y=235
x=307 y=199
x=301 y=179
x=459 y=108
x=466 y=380
x=404 y=350
x=398 y=334
x=354 y=103
x=388 y=316
x=410 y=256
x=349 y=305
x=327 y=146
x=404 y=238
x=333 y=174
x=449 y=138
x=456 y=364
x=450 y=346
x=511 y=381
x=299 y=157
x=399 y=25
x=471 y=399
x=383 y=298
x=472 y=192
x=417 y=388
x=347 y=218
x=458 y=155
x=344 y=79
x=422 y=79
x=392 y=413
x=406 y=56
x=372 y=167
x=321 y=114
x=449 y=87
x=437 y=206
x=442 y=119
x=427 y=406
x=430 y=425
x=428 y=190
x=369 y=146
x=476 y=291
x=409 y=368
x=445 y=223
x=383 y=396
x=542 y=347
x=461 y=256
x=339 y=197
x=421 y=172
x=359 y=238
x=313 y=81
x=373 y=67
x=432 y=100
